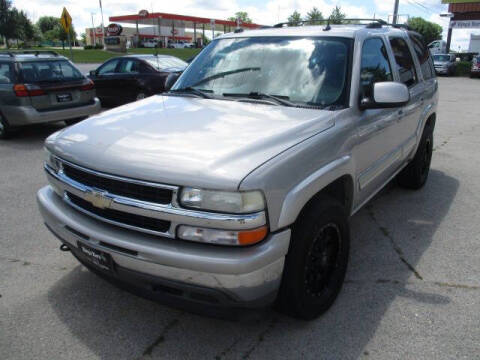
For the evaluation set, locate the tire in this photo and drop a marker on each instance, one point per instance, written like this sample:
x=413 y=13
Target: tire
x=311 y=284
x=5 y=132
x=141 y=95
x=415 y=174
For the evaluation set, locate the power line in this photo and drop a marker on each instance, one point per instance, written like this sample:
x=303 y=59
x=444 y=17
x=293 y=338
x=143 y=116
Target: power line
x=421 y=7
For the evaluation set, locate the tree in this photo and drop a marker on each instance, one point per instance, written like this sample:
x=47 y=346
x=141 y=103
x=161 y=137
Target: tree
x=47 y=23
x=8 y=20
x=314 y=15
x=429 y=30
x=242 y=15
x=63 y=35
x=295 y=19
x=26 y=30
x=337 y=16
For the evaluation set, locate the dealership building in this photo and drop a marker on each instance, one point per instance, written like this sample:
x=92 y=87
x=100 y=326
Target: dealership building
x=167 y=28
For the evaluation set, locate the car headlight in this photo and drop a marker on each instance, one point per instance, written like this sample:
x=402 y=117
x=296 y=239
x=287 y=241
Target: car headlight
x=222 y=237
x=223 y=201
x=52 y=162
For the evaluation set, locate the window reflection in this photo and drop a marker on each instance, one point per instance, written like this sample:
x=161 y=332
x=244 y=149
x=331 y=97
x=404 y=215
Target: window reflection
x=309 y=71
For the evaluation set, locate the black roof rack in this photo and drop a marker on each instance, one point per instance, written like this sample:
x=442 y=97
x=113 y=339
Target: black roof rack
x=26 y=52
x=369 y=23
x=401 y=26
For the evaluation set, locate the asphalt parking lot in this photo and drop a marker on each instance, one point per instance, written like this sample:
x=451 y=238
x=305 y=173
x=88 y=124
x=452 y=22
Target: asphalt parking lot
x=412 y=289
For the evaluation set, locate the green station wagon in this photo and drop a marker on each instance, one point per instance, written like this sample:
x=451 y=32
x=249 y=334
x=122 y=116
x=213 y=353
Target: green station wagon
x=40 y=87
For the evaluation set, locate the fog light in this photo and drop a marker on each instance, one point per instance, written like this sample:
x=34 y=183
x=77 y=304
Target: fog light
x=222 y=237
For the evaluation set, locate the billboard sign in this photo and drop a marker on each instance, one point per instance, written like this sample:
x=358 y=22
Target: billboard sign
x=464 y=24
x=459 y=1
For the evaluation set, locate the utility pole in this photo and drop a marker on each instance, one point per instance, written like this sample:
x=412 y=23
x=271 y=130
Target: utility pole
x=103 y=27
x=395 y=12
x=94 y=31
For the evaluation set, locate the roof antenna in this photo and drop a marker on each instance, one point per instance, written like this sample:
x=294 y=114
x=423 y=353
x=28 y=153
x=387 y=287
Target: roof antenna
x=328 y=27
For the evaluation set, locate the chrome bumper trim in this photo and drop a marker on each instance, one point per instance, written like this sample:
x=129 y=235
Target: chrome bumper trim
x=169 y=212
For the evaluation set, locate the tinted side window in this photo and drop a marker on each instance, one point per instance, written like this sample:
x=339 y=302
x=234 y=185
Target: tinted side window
x=129 y=66
x=6 y=73
x=375 y=65
x=144 y=68
x=423 y=55
x=108 y=68
x=404 y=61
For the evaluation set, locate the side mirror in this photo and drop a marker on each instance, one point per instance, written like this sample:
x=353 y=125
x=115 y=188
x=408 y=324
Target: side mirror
x=171 y=79
x=93 y=72
x=387 y=95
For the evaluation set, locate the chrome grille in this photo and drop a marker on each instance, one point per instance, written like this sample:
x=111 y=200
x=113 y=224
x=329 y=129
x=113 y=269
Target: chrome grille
x=116 y=216
x=116 y=187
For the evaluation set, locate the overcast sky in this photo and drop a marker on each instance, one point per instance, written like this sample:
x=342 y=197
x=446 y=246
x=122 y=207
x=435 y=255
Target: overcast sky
x=265 y=12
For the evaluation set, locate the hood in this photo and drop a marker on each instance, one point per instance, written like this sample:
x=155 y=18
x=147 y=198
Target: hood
x=187 y=141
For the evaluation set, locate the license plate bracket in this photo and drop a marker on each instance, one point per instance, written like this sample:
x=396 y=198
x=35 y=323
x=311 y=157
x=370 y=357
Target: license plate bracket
x=96 y=257
x=64 y=97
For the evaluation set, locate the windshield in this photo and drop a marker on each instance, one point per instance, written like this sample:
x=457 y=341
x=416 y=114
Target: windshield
x=51 y=71
x=305 y=71
x=166 y=62
x=441 y=58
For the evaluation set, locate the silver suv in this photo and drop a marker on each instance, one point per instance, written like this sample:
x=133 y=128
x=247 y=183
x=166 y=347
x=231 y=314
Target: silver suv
x=235 y=188
x=41 y=86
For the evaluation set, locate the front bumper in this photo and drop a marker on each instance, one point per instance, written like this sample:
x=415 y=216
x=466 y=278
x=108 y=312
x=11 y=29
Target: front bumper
x=28 y=115
x=442 y=71
x=241 y=277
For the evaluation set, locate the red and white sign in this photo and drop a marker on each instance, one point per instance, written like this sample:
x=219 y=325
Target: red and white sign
x=143 y=13
x=114 y=29
x=98 y=30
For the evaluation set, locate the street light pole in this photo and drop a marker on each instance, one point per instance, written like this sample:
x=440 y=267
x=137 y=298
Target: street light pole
x=103 y=27
x=94 y=31
x=395 y=12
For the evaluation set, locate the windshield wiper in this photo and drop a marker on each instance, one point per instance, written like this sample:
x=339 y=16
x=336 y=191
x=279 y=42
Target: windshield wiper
x=282 y=100
x=225 y=73
x=192 y=90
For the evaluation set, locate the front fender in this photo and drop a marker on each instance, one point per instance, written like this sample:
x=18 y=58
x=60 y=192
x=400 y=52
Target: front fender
x=298 y=196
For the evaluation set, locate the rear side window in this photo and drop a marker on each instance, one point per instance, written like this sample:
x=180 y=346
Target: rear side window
x=48 y=71
x=129 y=66
x=404 y=61
x=6 y=73
x=108 y=68
x=375 y=65
x=423 y=55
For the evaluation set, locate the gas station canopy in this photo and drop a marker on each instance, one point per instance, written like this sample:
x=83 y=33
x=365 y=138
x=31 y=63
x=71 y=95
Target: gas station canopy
x=179 y=21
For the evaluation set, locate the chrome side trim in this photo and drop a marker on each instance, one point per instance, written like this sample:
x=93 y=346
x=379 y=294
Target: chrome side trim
x=177 y=216
x=378 y=168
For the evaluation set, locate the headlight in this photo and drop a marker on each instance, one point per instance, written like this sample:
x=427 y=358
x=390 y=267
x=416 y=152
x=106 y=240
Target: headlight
x=223 y=201
x=222 y=237
x=52 y=161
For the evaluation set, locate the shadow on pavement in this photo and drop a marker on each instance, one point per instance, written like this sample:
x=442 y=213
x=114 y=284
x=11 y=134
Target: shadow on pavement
x=33 y=135
x=389 y=237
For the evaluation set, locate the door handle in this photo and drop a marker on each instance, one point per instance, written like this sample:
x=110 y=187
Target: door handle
x=399 y=114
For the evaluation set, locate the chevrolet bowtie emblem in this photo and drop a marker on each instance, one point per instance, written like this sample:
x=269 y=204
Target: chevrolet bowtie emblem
x=98 y=199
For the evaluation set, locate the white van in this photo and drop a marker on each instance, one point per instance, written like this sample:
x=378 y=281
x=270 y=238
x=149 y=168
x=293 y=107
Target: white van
x=438 y=47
